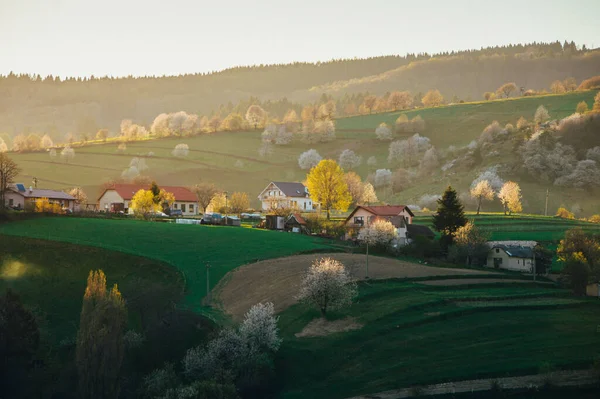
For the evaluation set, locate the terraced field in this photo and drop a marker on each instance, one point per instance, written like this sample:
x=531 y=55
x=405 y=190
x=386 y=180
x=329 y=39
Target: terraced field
x=414 y=334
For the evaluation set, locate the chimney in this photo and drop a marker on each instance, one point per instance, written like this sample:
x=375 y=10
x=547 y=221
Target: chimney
x=30 y=189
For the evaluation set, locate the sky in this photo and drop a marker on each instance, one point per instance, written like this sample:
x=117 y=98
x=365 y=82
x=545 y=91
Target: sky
x=149 y=37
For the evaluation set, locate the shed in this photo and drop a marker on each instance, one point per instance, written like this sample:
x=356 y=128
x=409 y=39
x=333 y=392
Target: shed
x=416 y=230
x=274 y=222
x=295 y=223
x=593 y=290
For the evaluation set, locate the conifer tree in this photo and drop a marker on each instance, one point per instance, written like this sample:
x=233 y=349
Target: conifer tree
x=450 y=216
x=100 y=346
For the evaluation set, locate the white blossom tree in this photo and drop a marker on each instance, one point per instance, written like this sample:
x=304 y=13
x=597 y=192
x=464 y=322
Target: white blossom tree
x=3 y=146
x=309 y=159
x=382 y=178
x=51 y=153
x=265 y=150
x=327 y=285
x=430 y=161
x=325 y=129
x=67 y=153
x=369 y=196
x=380 y=233
x=383 y=132
x=541 y=115
x=349 y=159
x=592 y=153
x=130 y=173
x=139 y=163
x=372 y=161
x=482 y=191
x=510 y=197
x=585 y=175
x=181 y=151
x=491 y=175
x=255 y=115
x=46 y=142
x=79 y=195
x=160 y=126
x=259 y=329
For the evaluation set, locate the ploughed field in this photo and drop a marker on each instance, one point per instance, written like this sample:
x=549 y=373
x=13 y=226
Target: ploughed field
x=414 y=334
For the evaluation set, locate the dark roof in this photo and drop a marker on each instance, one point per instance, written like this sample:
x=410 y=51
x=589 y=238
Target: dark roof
x=298 y=218
x=291 y=189
x=414 y=230
x=42 y=193
x=516 y=252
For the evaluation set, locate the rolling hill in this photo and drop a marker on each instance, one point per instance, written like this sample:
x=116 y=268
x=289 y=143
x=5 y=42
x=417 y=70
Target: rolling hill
x=231 y=160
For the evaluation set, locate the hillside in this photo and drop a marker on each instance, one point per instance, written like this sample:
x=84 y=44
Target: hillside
x=231 y=159
x=82 y=106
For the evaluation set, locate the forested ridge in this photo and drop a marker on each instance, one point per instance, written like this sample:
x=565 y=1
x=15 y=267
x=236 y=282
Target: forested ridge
x=54 y=106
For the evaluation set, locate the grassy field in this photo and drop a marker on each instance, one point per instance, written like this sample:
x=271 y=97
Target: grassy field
x=51 y=276
x=186 y=247
x=214 y=157
x=414 y=334
x=521 y=227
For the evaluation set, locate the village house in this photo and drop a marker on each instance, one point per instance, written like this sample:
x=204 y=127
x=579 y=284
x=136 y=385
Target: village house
x=511 y=257
x=399 y=215
x=286 y=195
x=118 y=197
x=19 y=197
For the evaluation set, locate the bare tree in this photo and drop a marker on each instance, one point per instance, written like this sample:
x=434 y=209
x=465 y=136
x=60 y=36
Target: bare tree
x=8 y=172
x=205 y=193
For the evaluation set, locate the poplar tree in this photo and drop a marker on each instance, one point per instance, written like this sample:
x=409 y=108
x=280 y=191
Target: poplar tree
x=100 y=346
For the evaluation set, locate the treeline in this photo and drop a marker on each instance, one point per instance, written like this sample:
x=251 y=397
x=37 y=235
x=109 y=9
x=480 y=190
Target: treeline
x=49 y=105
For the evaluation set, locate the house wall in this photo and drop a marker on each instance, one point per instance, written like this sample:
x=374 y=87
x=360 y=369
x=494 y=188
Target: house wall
x=272 y=197
x=111 y=197
x=353 y=229
x=508 y=262
x=17 y=199
x=187 y=211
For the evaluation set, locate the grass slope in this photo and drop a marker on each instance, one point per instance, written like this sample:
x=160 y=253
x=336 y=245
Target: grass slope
x=213 y=157
x=51 y=277
x=416 y=335
x=521 y=227
x=186 y=247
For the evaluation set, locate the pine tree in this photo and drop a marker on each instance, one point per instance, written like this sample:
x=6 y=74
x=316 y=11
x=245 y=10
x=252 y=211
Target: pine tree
x=155 y=192
x=100 y=346
x=450 y=216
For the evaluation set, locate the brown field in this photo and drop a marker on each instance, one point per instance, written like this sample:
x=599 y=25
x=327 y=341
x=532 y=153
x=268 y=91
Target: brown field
x=278 y=280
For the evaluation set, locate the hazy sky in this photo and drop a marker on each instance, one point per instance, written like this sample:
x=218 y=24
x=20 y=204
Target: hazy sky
x=148 y=37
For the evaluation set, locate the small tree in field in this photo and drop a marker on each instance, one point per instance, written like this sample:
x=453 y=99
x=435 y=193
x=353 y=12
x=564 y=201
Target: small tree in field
x=510 y=196
x=327 y=285
x=181 y=150
x=67 y=154
x=309 y=159
x=349 y=159
x=383 y=132
x=564 y=213
x=541 y=115
x=482 y=190
x=433 y=98
x=259 y=329
x=506 y=89
x=255 y=115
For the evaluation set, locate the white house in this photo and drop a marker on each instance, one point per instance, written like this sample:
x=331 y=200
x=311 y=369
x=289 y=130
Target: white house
x=19 y=197
x=286 y=195
x=511 y=257
x=118 y=197
x=399 y=215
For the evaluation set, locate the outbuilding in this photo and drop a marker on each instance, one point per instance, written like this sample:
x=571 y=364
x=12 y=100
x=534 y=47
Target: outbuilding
x=117 y=198
x=19 y=197
x=517 y=258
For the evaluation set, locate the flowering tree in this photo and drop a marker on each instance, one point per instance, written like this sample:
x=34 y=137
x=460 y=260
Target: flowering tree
x=383 y=132
x=480 y=191
x=3 y=146
x=349 y=159
x=327 y=285
x=51 y=153
x=510 y=196
x=381 y=233
x=67 y=153
x=255 y=115
x=309 y=159
x=46 y=142
x=372 y=161
x=541 y=114
x=259 y=329
x=369 y=196
x=181 y=150
x=143 y=203
x=79 y=195
x=383 y=177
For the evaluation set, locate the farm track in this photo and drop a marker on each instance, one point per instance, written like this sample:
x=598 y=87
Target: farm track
x=72 y=164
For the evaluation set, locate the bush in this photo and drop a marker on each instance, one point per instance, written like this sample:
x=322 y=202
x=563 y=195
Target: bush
x=422 y=247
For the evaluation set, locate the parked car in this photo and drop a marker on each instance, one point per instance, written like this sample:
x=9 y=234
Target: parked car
x=159 y=214
x=176 y=212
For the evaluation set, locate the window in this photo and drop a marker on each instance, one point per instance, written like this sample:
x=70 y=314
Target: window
x=497 y=251
x=10 y=202
x=174 y=206
x=305 y=205
x=191 y=208
x=359 y=220
x=182 y=207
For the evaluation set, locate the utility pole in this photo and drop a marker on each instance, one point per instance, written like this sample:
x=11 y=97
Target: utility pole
x=546 y=209
x=208 y=298
x=533 y=262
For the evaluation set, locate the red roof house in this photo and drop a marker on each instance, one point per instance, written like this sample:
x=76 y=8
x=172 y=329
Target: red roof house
x=117 y=198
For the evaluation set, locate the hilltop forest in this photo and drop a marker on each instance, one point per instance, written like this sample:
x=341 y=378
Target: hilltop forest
x=81 y=106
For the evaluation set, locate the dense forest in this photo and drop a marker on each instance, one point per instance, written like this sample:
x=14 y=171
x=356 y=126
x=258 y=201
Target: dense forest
x=54 y=106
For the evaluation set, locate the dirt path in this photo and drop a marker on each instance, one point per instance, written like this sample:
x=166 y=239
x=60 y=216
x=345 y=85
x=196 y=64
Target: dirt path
x=278 y=280
x=558 y=378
